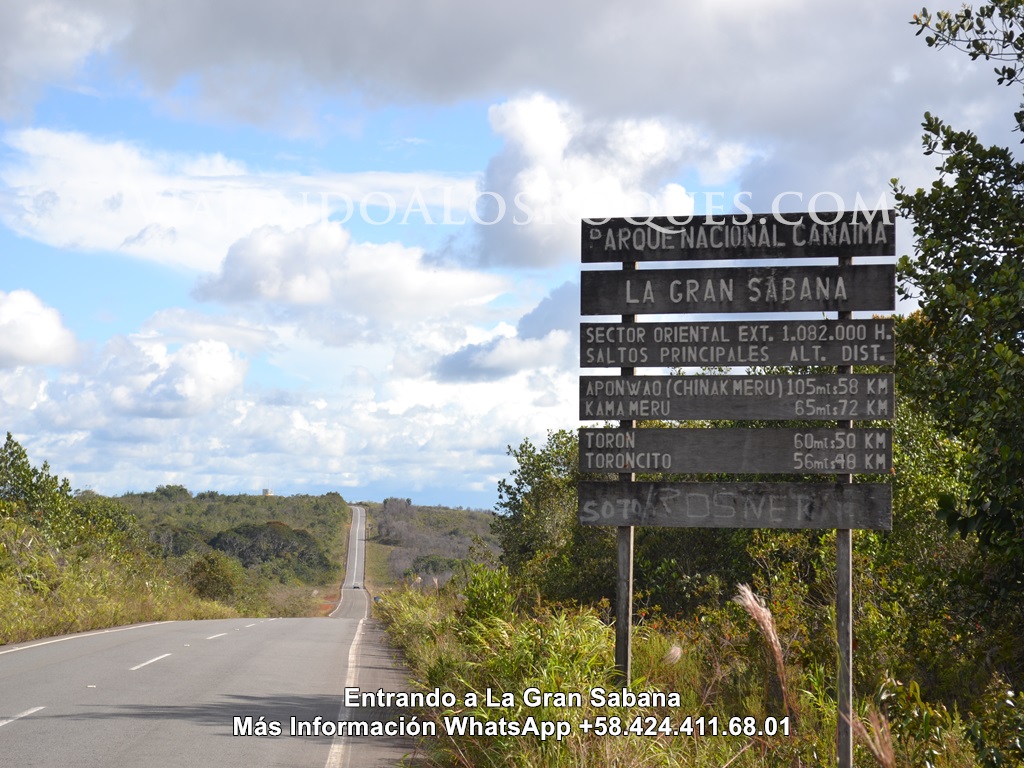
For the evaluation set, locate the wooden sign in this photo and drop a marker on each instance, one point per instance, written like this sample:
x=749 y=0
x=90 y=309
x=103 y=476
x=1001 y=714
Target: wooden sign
x=854 y=396
x=771 y=451
x=739 y=236
x=737 y=505
x=843 y=397
x=798 y=342
x=749 y=289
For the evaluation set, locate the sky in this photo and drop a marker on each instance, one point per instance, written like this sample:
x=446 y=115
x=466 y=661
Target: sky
x=335 y=246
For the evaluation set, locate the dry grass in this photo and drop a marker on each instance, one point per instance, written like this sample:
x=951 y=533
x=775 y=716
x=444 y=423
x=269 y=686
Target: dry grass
x=877 y=737
x=755 y=606
x=715 y=664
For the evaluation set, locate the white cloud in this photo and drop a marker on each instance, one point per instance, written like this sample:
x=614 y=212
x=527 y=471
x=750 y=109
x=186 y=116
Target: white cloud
x=295 y=267
x=21 y=389
x=557 y=167
x=32 y=333
x=377 y=284
x=128 y=391
x=135 y=424
x=42 y=41
x=545 y=338
x=195 y=377
x=143 y=377
x=506 y=356
x=741 y=67
x=346 y=362
x=176 y=326
x=78 y=192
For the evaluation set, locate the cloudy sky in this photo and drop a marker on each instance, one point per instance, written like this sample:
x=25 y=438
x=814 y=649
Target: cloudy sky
x=335 y=245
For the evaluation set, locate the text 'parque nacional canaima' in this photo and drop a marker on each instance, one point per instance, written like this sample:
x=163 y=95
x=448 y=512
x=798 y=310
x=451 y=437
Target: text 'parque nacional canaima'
x=739 y=236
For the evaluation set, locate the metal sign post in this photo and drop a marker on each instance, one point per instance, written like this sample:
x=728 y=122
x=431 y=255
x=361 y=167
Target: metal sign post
x=844 y=612
x=624 y=557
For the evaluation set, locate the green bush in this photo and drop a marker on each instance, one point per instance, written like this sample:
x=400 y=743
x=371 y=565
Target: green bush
x=215 y=576
x=488 y=593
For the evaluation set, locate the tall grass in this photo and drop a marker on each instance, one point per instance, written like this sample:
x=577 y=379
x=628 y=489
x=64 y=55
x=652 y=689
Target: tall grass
x=727 y=664
x=93 y=595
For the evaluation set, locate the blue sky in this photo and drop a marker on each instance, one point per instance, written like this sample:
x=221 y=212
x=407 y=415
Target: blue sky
x=337 y=248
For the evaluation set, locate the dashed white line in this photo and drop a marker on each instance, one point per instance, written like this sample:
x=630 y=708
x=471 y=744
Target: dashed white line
x=20 y=715
x=80 y=635
x=249 y=625
x=213 y=637
x=140 y=666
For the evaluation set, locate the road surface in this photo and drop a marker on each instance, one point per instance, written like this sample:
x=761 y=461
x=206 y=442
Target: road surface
x=177 y=693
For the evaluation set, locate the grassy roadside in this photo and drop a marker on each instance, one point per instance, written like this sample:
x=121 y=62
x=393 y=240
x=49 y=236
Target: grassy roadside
x=406 y=542
x=475 y=637
x=78 y=561
x=378 y=575
x=93 y=594
x=329 y=595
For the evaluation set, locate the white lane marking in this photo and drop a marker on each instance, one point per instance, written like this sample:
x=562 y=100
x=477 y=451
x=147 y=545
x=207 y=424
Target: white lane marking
x=249 y=625
x=84 y=634
x=140 y=666
x=20 y=715
x=352 y=569
x=211 y=637
x=352 y=674
x=340 y=754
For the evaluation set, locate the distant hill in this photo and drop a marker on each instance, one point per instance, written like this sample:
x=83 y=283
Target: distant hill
x=407 y=541
x=236 y=547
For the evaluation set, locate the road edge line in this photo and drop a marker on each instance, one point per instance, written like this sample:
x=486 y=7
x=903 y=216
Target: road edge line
x=85 y=634
x=340 y=753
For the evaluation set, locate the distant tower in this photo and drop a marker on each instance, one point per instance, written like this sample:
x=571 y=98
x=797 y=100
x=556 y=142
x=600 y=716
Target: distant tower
x=268 y=491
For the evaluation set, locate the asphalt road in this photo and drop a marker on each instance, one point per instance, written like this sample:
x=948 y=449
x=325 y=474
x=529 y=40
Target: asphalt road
x=176 y=693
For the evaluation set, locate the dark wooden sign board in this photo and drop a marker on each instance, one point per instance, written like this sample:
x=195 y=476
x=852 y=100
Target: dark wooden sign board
x=774 y=342
x=772 y=451
x=739 y=236
x=844 y=397
x=737 y=505
x=744 y=289
x=855 y=396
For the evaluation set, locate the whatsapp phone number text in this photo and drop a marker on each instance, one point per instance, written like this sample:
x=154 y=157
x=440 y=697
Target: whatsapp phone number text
x=650 y=725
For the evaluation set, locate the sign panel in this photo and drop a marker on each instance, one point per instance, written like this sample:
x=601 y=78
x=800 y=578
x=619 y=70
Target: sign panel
x=748 y=289
x=740 y=236
x=737 y=505
x=855 y=396
x=802 y=342
x=771 y=451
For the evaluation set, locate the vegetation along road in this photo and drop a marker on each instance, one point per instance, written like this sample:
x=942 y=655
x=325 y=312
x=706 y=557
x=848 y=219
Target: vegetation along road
x=224 y=692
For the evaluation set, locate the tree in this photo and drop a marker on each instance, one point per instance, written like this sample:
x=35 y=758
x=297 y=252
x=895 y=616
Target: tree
x=215 y=576
x=968 y=275
x=992 y=32
x=543 y=546
x=33 y=494
x=537 y=508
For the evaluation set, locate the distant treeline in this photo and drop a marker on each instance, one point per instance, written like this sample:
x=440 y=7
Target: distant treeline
x=428 y=541
x=284 y=538
x=71 y=561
